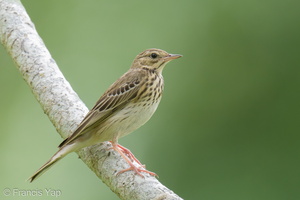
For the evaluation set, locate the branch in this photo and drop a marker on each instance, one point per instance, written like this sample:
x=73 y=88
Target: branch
x=63 y=106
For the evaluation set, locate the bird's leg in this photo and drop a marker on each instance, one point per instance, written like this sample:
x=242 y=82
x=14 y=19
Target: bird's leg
x=129 y=154
x=122 y=151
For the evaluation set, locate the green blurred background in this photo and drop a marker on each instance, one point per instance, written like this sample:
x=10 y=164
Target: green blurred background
x=228 y=124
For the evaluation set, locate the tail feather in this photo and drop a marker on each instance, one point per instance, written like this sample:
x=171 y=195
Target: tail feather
x=56 y=157
x=42 y=170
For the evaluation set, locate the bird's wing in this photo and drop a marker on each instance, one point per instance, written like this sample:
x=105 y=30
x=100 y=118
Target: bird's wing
x=116 y=97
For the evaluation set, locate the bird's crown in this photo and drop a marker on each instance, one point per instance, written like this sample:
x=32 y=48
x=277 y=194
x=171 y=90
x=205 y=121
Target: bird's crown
x=154 y=59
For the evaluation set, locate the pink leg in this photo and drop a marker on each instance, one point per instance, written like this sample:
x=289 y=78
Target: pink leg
x=129 y=154
x=122 y=151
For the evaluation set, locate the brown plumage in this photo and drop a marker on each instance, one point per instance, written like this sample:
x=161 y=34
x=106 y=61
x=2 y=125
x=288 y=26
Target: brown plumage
x=125 y=106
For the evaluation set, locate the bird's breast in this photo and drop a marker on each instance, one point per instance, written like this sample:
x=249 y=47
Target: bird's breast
x=138 y=111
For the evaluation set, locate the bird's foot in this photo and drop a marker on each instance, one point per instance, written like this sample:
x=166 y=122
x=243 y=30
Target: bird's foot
x=129 y=157
x=137 y=170
x=129 y=154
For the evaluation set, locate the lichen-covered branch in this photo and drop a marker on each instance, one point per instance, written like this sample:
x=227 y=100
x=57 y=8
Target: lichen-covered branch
x=63 y=106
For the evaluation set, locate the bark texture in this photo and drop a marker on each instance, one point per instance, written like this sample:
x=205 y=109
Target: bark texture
x=63 y=106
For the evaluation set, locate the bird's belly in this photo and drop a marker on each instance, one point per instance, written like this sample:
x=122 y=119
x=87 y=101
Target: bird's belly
x=130 y=118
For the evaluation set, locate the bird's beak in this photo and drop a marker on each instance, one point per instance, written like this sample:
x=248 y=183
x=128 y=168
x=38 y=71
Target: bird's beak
x=172 y=57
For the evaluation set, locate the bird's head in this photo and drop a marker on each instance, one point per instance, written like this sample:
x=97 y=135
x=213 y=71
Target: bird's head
x=153 y=59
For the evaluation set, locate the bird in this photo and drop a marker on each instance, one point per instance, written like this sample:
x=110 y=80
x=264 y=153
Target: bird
x=124 y=107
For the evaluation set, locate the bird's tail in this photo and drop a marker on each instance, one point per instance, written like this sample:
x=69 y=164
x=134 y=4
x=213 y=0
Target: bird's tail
x=62 y=152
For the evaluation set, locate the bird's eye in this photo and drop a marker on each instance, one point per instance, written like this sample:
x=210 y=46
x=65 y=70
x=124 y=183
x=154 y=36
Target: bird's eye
x=153 y=55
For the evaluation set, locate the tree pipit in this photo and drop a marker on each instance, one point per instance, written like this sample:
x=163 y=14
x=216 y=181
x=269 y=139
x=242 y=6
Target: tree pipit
x=125 y=106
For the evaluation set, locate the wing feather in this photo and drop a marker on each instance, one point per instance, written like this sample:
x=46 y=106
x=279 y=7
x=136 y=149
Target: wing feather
x=116 y=97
